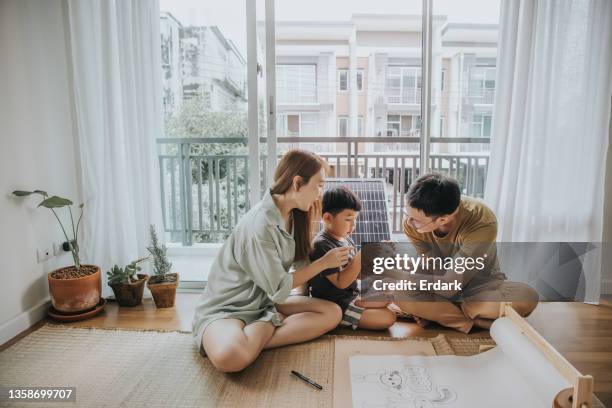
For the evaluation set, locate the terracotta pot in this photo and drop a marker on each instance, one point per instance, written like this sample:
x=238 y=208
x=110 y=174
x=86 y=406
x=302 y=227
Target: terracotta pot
x=163 y=293
x=130 y=294
x=75 y=295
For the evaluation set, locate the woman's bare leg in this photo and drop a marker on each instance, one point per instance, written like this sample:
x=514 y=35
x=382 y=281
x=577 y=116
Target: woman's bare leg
x=231 y=346
x=307 y=318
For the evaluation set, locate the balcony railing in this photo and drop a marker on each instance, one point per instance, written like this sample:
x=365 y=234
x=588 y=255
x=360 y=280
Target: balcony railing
x=484 y=96
x=204 y=181
x=405 y=95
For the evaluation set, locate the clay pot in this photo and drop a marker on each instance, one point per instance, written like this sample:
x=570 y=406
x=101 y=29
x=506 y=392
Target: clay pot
x=164 y=292
x=75 y=295
x=130 y=294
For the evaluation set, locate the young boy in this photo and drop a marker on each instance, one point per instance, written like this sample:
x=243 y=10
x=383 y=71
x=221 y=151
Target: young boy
x=340 y=208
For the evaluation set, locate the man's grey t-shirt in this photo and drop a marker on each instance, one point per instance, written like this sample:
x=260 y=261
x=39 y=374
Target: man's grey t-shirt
x=320 y=286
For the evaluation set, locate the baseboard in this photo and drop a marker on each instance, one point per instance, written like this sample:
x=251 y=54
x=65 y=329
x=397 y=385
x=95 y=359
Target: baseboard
x=23 y=321
x=606 y=287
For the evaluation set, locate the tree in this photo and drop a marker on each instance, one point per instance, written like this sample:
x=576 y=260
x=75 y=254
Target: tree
x=195 y=119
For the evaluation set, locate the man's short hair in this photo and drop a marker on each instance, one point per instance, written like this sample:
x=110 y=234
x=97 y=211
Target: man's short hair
x=434 y=194
x=338 y=199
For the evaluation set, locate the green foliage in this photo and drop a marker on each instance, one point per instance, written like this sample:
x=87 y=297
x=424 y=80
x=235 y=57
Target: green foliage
x=118 y=275
x=195 y=119
x=161 y=264
x=52 y=203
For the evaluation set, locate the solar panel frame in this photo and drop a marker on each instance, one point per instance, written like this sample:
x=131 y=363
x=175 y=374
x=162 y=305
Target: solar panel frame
x=373 y=223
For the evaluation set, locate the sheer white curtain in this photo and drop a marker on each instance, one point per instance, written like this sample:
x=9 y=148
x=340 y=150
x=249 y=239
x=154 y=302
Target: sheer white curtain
x=550 y=124
x=115 y=47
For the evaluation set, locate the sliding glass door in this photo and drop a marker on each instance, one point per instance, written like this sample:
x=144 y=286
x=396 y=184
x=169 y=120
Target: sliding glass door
x=387 y=89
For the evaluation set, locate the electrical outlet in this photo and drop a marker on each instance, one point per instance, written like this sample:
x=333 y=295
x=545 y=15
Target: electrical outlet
x=44 y=254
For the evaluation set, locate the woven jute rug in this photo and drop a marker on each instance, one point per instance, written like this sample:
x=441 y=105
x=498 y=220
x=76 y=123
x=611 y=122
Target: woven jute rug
x=131 y=368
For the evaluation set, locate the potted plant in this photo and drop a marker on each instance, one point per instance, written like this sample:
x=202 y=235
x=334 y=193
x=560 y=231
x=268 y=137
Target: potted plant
x=74 y=289
x=128 y=289
x=162 y=284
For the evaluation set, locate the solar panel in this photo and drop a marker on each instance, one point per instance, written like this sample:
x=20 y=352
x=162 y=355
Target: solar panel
x=373 y=220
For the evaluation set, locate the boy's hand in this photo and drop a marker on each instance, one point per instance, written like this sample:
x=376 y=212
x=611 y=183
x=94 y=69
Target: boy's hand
x=336 y=257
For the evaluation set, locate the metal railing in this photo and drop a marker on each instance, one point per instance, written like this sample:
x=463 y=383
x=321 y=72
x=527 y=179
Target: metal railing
x=204 y=181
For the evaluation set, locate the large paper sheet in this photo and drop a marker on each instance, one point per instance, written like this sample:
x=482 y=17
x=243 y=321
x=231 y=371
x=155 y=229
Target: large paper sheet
x=513 y=374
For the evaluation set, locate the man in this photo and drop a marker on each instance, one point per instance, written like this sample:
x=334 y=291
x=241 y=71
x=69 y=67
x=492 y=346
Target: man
x=442 y=223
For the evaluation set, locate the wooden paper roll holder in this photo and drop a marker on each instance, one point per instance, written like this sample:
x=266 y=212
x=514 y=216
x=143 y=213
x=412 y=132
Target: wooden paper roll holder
x=581 y=394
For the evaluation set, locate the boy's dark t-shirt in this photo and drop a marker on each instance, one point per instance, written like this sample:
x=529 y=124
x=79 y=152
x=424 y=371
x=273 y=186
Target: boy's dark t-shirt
x=320 y=286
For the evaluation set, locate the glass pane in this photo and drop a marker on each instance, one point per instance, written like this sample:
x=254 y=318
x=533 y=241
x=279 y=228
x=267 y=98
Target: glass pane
x=204 y=185
x=362 y=50
x=464 y=49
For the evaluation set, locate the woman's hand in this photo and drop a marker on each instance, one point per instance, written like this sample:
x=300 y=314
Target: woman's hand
x=316 y=211
x=336 y=257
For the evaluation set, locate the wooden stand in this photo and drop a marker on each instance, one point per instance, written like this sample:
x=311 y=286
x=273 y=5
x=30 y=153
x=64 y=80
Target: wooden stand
x=582 y=395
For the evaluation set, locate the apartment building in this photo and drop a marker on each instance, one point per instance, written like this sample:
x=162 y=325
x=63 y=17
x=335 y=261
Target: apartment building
x=362 y=77
x=200 y=60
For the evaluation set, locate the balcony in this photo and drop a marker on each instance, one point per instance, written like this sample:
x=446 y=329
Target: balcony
x=204 y=180
x=403 y=96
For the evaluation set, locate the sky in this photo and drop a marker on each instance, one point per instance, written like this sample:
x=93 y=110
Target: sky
x=230 y=15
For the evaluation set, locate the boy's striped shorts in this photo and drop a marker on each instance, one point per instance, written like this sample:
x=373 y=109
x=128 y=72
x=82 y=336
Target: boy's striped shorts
x=352 y=315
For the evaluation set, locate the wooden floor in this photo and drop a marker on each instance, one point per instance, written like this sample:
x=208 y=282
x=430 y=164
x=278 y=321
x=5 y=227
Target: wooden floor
x=582 y=333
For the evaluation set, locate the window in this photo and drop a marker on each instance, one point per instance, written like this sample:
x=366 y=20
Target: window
x=442 y=126
x=482 y=84
x=404 y=125
x=344 y=79
x=393 y=125
x=296 y=84
x=481 y=125
x=403 y=84
x=343 y=126
x=442 y=79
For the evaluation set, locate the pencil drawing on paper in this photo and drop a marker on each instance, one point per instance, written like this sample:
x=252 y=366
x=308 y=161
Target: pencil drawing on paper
x=408 y=387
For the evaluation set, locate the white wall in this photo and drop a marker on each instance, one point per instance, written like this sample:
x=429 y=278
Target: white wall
x=606 y=271
x=36 y=151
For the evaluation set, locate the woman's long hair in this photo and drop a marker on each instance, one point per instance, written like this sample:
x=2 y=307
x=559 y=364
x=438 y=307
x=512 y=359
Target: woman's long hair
x=305 y=164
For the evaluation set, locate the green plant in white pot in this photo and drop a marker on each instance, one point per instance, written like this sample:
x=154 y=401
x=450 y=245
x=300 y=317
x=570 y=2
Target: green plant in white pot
x=162 y=284
x=77 y=288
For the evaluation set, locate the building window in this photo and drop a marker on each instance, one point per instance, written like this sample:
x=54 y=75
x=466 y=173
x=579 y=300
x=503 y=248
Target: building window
x=360 y=126
x=343 y=80
x=343 y=125
x=360 y=79
x=296 y=84
x=442 y=126
x=403 y=84
x=481 y=125
x=482 y=84
x=404 y=125
x=442 y=80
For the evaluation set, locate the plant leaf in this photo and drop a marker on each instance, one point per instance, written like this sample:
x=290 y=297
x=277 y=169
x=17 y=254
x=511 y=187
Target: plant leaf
x=55 y=202
x=20 y=193
x=41 y=192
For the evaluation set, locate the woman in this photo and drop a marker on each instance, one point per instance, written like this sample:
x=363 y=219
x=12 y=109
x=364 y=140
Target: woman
x=246 y=307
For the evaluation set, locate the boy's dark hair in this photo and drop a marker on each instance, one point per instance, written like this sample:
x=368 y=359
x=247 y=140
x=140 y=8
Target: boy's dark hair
x=434 y=194
x=337 y=199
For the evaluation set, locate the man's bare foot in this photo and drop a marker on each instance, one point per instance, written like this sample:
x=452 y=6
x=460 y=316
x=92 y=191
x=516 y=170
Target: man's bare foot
x=420 y=321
